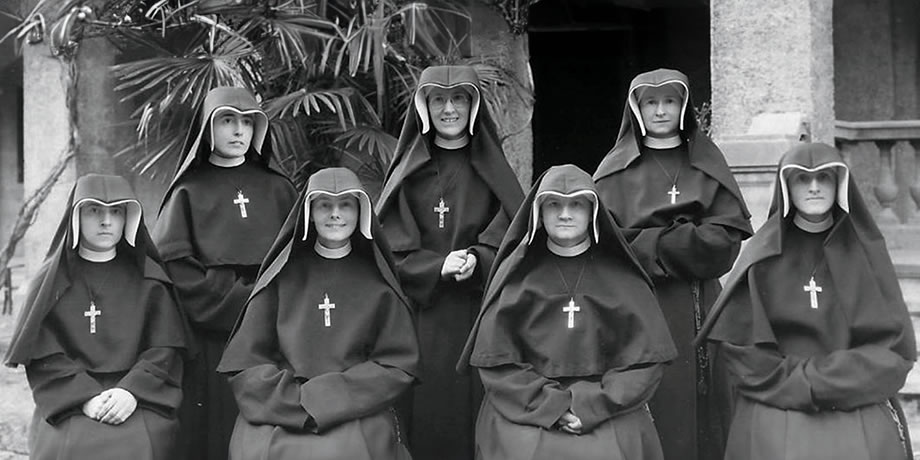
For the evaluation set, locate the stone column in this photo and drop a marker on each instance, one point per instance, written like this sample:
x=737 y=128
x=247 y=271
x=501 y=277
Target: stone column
x=772 y=85
x=492 y=38
x=47 y=127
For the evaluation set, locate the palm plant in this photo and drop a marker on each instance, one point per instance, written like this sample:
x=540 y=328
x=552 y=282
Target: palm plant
x=335 y=76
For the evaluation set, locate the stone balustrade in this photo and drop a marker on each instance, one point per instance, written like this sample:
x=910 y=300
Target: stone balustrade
x=886 y=158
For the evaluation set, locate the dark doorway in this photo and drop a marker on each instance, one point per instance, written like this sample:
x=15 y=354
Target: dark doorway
x=583 y=54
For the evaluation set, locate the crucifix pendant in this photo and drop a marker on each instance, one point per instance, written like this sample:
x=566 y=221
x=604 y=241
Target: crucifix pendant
x=92 y=313
x=571 y=309
x=441 y=209
x=812 y=289
x=326 y=306
x=674 y=192
x=241 y=201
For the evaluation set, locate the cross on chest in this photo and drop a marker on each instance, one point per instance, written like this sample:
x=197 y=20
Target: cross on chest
x=674 y=192
x=812 y=289
x=571 y=309
x=441 y=209
x=326 y=306
x=241 y=201
x=92 y=313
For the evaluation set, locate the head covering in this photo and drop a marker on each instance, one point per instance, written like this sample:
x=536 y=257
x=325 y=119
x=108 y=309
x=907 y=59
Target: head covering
x=661 y=78
x=412 y=152
x=113 y=193
x=447 y=77
x=854 y=250
x=338 y=182
x=330 y=181
x=554 y=186
x=704 y=155
x=646 y=339
x=200 y=139
x=54 y=277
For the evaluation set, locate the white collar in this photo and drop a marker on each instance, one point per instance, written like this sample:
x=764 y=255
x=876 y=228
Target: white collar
x=662 y=143
x=332 y=253
x=451 y=144
x=813 y=227
x=222 y=162
x=96 y=256
x=570 y=251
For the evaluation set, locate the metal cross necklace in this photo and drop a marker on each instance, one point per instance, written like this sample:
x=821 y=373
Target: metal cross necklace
x=441 y=208
x=571 y=308
x=673 y=192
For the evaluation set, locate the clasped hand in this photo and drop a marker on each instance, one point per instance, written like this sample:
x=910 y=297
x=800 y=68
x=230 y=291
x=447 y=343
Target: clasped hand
x=569 y=423
x=112 y=406
x=459 y=264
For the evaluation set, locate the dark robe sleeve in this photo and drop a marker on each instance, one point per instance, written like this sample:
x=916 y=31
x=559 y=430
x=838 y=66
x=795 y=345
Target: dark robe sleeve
x=420 y=273
x=488 y=242
x=156 y=380
x=619 y=391
x=870 y=372
x=212 y=296
x=60 y=387
x=266 y=393
x=372 y=385
x=691 y=248
x=524 y=396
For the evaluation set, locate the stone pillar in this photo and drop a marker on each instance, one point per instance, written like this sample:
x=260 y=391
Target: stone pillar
x=47 y=125
x=492 y=38
x=772 y=85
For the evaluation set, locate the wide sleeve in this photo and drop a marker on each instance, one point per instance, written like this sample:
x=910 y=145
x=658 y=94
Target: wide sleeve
x=692 y=248
x=266 y=390
x=372 y=385
x=618 y=392
x=156 y=380
x=212 y=296
x=489 y=240
x=523 y=396
x=60 y=387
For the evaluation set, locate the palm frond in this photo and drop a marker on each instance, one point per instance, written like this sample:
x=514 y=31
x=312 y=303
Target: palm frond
x=337 y=101
x=370 y=139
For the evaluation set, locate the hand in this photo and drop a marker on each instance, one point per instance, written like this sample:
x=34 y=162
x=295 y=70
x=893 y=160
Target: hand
x=453 y=262
x=93 y=407
x=569 y=423
x=466 y=271
x=118 y=406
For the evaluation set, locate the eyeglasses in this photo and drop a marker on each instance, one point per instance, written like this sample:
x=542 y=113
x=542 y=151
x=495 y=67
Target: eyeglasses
x=459 y=100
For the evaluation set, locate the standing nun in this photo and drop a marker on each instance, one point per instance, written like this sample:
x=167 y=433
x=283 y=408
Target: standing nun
x=812 y=325
x=447 y=201
x=217 y=220
x=669 y=188
x=101 y=336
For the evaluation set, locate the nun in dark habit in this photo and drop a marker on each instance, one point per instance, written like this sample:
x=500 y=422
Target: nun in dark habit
x=326 y=344
x=447 y=201
x=668 y=186
x=101 y=335
x=570 y=343
x=217 y=220
x=812 y=325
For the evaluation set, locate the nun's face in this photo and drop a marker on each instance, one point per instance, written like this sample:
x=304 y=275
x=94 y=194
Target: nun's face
x=101 y=227
x=335 y=218
x=660 y=109
x=813 y=194
x=232 y=134
x=449 y=110
x=566 y=219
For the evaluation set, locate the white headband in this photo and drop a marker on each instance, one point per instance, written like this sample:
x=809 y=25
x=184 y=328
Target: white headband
x=421 y=103
x=363 y=200
x=634 y=103
x=132 y=218
x=536 y=222
x=843 y=181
